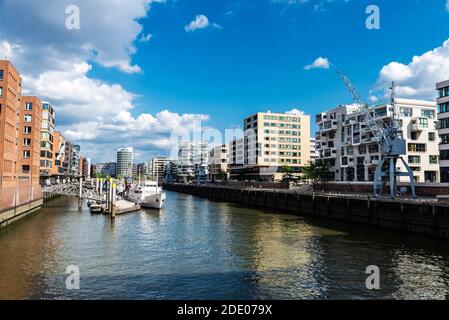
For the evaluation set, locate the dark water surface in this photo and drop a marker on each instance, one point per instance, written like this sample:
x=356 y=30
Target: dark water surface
x=198 y=249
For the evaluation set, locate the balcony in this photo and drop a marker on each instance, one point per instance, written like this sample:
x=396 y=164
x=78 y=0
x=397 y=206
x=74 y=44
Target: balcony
x=419 y=124
x=367 y=140
x=350 y=122
x=330 y=125
x=319 y=118
x=365 y=129
x=330 y=153
x=347 y=162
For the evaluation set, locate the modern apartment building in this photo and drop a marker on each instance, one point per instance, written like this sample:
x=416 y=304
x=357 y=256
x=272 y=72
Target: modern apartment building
x=347 y=142
x=443 y=128
x=105 y=169
x=29 y=139
x=314 y=154
x=125 y=158
x=158 y=165
x=192 y=159
x=84 y=167
x=274 y=141
x=67 y=161
x=142 y=169
x=59 y=149
x=218 y=162
x=10 y=92
x=75 y=161
x=47 y=139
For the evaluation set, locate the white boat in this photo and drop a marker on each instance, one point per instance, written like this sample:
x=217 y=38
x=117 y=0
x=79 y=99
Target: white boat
x=148 y=195
x=96 y=208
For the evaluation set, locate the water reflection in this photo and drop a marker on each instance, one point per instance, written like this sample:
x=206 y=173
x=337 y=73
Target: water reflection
x=199 y=249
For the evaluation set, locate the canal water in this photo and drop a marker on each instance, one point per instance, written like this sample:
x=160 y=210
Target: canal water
x=199 y=249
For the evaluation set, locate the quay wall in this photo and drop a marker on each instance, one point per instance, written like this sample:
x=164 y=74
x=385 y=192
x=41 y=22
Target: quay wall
x=9 y=216
x=422 y=189
x=429 y=219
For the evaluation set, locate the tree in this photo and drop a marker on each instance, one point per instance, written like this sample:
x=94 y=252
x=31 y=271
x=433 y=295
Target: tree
x=286 y=169
x=222 y=175
x=317 y=171
x=288 y=174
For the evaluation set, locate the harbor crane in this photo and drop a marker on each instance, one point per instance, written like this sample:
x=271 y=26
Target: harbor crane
x=389 y=136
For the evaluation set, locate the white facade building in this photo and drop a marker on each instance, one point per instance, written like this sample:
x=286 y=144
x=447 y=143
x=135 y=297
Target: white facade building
x=346 y=140
x=192 y=157
x=158 y=165
x=314 y=154
x=218 y=162
x=125 y=158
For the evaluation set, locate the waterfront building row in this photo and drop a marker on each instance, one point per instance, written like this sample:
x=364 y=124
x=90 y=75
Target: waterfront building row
x=30 y=147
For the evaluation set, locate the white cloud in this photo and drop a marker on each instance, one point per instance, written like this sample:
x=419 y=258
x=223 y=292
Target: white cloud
x=373 y=98
x=296 y=112
x=319 y=63
x=146 y=38
x=106 y=36
x=447 y=5
x=417 y=79
x=56 y=63
x=200 y=22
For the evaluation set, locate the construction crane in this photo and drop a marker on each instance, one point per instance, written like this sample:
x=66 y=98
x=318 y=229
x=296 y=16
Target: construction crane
x=392 y=144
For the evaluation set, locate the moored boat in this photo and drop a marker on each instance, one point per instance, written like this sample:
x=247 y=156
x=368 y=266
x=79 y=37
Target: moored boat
x=96 y=208
x=148 y=195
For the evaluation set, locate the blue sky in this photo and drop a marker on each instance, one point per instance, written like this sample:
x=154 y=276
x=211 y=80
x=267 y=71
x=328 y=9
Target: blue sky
x=255 y=62
x=110 y=89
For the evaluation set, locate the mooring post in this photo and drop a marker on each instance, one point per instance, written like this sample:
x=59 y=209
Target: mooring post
x=113 y=194
x=101 y=186
x=80 y=194
x=107 y=196
x=110 y=195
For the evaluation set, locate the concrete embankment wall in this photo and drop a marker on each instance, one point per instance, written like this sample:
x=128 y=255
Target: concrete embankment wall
x=12 y=215
x=425 y=219
x=422 y=189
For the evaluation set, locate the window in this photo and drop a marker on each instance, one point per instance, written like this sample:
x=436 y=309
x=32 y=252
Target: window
x=431 y=136
x=1 y=91
x=373 y=148
x=27 y=142
x=423 y=123
x=444 y=92
x=443 y=123
x=433 y=159
x=428 y=113
x=28 y=106
x=444 y=155
x=25 y=169
x=27 y=130
x=417 y=147
x=381 y=112
x=28 y=118
x=1 y=74
x=444 y=107
x=406 y=112
x=26 y=154
x=414 y=159
x=444 y=138
x=414 y=135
